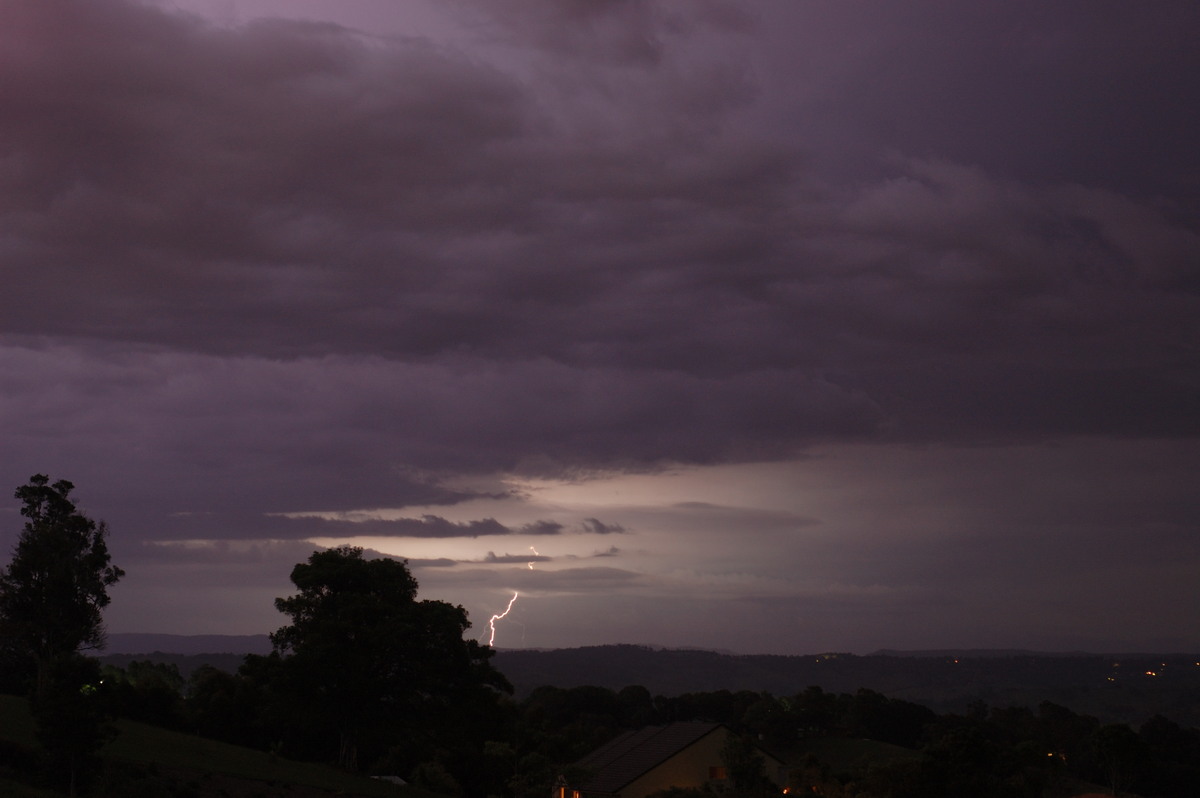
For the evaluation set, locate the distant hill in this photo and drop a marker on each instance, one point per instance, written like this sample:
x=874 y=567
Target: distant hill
x=187 y=652
x=187 y=644
x=1115 y=688
x=1127 y=688
x=979 y=653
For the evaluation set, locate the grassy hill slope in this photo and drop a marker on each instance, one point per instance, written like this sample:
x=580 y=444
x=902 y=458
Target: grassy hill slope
x=155 y=761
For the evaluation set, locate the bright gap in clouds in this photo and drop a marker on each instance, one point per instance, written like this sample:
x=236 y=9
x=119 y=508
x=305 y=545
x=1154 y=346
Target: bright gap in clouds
x=851 y=549
x=638 y=505
x=679 y=534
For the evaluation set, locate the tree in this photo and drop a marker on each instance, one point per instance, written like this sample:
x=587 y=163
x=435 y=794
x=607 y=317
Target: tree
x=151 y=692
x=744 y=764
x=53 y=591
x=51 y=597
x=1121 y=754
x=222 y=706
x=72 y=720
x=365 y=656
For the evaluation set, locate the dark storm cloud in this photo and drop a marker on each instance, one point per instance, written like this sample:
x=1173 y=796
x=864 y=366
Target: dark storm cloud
x=285 y=268
x=225 y=528
x=293 y=267
x=199 y=438
x=604 y=33
x=595 y=526
x=611 y=551
x=220 y=526
x=295 y=190
x=1076 y=91
x=542 y=528
x=436 y=527
x=427 y=526
x=437 y=562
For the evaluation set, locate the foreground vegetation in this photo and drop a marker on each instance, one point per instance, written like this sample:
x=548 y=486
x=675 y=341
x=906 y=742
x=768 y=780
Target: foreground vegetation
x=1121 y=688
x=148 y=760
x=860 y=743
x=837 y=744
x=365 y=674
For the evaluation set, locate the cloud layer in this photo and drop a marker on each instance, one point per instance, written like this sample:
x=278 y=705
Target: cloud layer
x=288 y=266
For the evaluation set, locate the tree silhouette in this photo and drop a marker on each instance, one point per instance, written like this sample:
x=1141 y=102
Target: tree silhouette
x=53 y=591
x=51 y=597
x=1121 y=754
x=362 y=655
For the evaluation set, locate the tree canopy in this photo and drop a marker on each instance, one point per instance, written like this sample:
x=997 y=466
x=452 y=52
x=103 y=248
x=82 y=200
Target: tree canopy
x=367 y=656
x=53 y=591
x=51 y=597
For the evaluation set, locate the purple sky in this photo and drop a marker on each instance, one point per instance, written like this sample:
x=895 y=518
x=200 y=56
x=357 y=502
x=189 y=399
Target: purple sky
x=784 y=326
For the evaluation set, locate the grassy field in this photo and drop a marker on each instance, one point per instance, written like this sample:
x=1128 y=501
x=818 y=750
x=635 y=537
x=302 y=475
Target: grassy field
x=186 y=765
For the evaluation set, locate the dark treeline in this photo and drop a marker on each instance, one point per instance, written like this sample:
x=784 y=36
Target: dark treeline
x=1117 y=688
x=517 y=748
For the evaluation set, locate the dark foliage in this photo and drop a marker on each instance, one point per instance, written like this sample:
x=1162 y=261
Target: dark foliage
x=151 y=692
x=52 y=594
x=1115 y=689
x=1172 y=765
x=1008 y=752
x=53 y=591
x=72 y=720
x=225 y=706
x=366 y=675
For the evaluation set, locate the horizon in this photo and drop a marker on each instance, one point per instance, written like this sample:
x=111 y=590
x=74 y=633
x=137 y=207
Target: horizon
x=973 y=652
x=764 y=326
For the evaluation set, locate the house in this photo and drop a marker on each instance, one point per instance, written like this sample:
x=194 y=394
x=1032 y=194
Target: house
x=642 y=762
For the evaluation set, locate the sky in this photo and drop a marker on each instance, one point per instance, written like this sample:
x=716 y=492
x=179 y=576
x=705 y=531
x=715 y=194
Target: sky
x=782 y=326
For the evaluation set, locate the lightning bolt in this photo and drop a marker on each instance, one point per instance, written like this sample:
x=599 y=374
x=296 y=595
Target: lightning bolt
x=492 y=622
x=511 y=602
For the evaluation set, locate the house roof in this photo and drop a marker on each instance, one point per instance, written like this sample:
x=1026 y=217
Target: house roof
x=620 y=761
